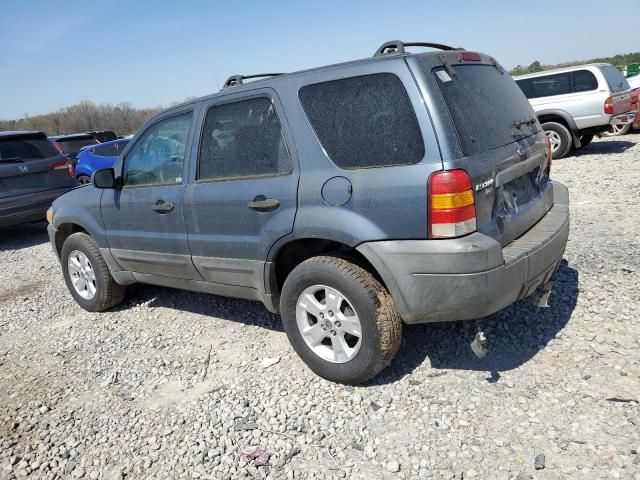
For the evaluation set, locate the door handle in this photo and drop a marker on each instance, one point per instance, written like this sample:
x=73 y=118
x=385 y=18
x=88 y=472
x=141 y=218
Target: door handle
x=162 y=207
x=263 y=204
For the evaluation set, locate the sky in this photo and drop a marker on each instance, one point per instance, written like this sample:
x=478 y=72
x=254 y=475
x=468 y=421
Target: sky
x=55 y=53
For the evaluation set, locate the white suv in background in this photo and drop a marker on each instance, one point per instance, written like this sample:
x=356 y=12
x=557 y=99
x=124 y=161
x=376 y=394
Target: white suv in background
x=575 y=103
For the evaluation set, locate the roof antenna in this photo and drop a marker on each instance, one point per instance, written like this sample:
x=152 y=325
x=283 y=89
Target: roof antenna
x=217 y=82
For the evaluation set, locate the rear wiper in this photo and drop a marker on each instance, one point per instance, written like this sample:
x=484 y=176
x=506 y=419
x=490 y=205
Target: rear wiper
x=12 y=160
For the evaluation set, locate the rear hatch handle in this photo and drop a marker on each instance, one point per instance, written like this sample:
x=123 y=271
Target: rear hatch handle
x=515 y=171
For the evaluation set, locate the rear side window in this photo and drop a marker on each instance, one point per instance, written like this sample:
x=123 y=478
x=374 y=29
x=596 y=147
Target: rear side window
x=242 y=139
x=584 y=81
x=487 y=107
x=26 y=148
x=547 y=85
x=106 y=150
x=615 y=79
x=365 y=121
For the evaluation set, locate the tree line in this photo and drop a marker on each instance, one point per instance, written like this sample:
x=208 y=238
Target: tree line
x=85 y=116
x=617 y=60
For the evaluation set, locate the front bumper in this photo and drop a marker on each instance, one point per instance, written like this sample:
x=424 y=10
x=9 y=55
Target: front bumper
x=51 y=230
x=470 y=277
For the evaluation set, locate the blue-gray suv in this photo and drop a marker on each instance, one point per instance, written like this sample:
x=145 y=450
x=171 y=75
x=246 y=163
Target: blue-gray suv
x=353 y=198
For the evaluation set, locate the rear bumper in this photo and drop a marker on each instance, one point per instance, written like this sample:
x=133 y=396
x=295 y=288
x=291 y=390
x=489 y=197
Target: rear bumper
x=623 y=118
x=473 y=276
x=28 y=208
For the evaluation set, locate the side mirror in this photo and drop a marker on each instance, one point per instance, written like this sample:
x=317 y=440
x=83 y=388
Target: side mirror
x=104 y=178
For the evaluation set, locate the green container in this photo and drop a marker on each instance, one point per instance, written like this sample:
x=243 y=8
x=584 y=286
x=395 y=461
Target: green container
x=631 y=69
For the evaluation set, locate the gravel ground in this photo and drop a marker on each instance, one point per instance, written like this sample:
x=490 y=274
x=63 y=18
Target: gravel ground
x=181 y=385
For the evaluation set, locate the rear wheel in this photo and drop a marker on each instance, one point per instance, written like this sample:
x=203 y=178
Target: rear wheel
x=83 y=179
x=87 y=275
x=340 y=320
x=616 y=130
x=560 y=138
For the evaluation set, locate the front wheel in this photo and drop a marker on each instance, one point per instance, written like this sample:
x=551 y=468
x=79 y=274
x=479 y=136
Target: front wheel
x=339 y=319
x=83 y=179
x=87 y=275
x=560 y=138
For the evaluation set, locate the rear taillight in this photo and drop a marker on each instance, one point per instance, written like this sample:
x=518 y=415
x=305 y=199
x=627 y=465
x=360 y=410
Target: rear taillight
x=58 y=147
x=549 y=155
x=608 y=106
x=67 y=165
x=452 y=211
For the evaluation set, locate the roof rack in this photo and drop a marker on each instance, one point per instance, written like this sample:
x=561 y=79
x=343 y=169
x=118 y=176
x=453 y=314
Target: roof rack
x=396 y=47
x=235 y=80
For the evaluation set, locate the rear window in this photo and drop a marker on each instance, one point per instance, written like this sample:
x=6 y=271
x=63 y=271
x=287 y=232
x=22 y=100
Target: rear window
x=26 y=148
x=615 y=79
x=73 y=146
x=486 y=107
x=365 y=121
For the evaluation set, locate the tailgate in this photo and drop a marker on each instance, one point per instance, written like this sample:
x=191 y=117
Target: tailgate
x=502 y=146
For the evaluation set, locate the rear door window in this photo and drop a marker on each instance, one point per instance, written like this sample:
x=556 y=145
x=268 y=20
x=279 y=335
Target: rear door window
x=26 y=148
x=487 y=107
x=242 y=139
x=615 y=79
x=364 y=121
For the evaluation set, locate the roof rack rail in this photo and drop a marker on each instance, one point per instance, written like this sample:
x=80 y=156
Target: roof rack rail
x=396 y=47
x=235 y=80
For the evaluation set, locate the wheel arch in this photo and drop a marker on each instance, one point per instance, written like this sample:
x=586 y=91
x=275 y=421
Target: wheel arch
x=286 y=256
x=64 y=231
x=559 y=116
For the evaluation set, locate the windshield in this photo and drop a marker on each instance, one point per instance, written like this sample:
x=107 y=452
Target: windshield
x=487 y=107
x=72 y=147
x=26 y=148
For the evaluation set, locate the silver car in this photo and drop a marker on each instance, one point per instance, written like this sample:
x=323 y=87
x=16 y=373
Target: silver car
x=575 y=103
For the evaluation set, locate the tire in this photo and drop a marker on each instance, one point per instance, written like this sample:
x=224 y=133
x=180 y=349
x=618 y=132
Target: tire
x=560 y=137
x=617 y=130
x=364 y=299
x=106 y=292
x=83 y=179
x=584 y=141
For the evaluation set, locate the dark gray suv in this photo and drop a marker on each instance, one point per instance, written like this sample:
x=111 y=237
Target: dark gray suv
x=32 y=175
x=351 y=199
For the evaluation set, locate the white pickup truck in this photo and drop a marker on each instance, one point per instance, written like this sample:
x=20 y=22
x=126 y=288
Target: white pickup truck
x=575 y=103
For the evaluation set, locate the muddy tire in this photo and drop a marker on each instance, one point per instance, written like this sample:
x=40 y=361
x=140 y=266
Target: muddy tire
x=339 y=319
x=87 y=275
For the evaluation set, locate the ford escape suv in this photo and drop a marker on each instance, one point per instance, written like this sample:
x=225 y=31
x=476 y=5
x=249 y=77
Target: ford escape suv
x=351 y=199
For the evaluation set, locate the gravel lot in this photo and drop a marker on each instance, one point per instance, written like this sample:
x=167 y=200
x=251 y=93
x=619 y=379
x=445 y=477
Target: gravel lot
x=175 y=385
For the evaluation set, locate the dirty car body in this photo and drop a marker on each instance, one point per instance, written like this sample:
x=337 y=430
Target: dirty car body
x=429 y=172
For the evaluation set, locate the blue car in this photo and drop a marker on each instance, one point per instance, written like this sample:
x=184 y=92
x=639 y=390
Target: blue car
x=97 y=157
